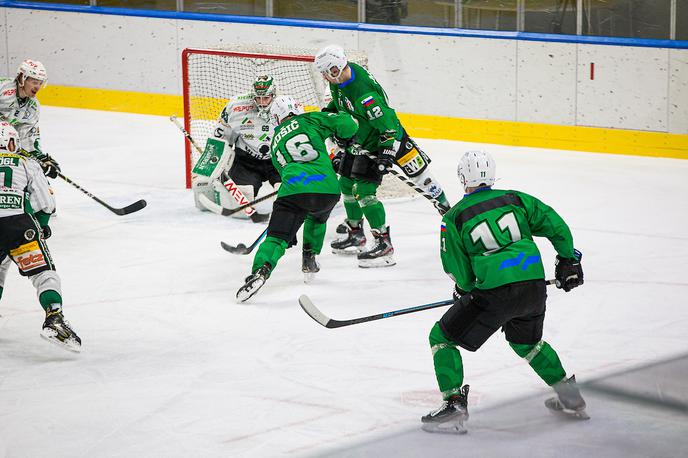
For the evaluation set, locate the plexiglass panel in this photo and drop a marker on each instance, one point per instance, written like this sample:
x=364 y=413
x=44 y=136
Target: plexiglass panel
x=326 y=10
x=550 y=16
x=627 y=18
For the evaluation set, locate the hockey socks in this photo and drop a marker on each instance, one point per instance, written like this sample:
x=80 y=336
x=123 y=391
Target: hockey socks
x=48 y=299
x=448 y=363
x=543 y=359
x=360 y=199
x=270 y=251
x=313 y=235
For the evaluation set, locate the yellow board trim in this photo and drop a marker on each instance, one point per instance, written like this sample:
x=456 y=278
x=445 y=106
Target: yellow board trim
x=550 y=136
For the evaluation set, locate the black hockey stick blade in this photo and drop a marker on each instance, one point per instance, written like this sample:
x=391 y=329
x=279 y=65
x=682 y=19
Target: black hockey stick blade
x=309 y=307
x=242 y=248
x=239 y=249
x=136 y=206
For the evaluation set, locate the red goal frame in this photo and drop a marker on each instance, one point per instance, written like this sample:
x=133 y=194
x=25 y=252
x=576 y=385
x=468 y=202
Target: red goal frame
x=186 y=53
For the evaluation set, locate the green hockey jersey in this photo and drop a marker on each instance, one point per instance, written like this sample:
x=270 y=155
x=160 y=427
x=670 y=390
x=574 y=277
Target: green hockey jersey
x=486 y=240
x=300 y=156
x=363 y=98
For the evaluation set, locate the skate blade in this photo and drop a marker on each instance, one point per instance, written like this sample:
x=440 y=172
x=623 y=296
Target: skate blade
x=351 y=251
x=385 y=261
x=445 y=428
x=556 y=406
x=247 y=291
x=308 y=277
x=68 y=344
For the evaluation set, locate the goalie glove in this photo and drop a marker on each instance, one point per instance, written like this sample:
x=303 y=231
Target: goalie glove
x=385 y=160
x=568 y=273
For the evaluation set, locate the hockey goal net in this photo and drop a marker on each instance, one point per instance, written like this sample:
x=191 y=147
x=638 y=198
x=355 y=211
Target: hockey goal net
x=211 y=76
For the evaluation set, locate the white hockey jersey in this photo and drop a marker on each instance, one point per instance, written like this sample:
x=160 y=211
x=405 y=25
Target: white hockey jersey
x=22 y=114
x=20 y=179
x=243 y=128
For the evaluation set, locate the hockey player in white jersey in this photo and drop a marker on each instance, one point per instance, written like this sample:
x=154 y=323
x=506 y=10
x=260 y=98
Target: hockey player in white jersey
x=20 y=108
x=243 y=133
x=25 y=208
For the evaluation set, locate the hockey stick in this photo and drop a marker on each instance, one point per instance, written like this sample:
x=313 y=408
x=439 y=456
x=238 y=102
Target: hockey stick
x=436 y=203
x=243 y=249
x=309 y=307
x=136 y=206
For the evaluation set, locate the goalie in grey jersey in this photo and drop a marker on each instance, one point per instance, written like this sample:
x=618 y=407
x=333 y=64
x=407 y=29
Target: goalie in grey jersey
x=241 y=142
x=20 y=108
x=26 y=204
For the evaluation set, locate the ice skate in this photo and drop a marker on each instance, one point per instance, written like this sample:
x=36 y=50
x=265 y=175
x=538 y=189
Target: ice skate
x=450 y=417
x=254 y=282
x=353 y=242
x=309 y=266
x=58 y=331
x=569 y=400
x=381 y=254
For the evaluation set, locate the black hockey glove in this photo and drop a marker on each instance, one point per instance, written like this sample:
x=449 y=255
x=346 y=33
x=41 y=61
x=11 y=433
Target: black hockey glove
x=337 y=161
x=385 y=160
x=457 y=293
x=343 y=143
x=46 y=232
x=50 y=167
x=568 y=273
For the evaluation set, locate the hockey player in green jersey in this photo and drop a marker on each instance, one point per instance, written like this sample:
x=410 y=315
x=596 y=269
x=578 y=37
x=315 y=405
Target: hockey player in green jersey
x=309 y=188
x=487 y=248
x=26 y=204
x=381 y=141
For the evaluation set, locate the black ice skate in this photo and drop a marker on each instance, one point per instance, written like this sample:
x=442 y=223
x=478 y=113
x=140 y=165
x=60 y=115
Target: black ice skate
x=381 y=254
x=309 y=266
x=568 y=400
x=254 y=282
x=451 y=415
x=353 y=242
x=56 y=330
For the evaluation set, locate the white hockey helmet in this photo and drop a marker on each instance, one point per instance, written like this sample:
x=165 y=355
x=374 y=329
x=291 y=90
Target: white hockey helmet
x=476 y=168
x=31 y=69
x=330 y=57
x=284 y=106
x=8 y=133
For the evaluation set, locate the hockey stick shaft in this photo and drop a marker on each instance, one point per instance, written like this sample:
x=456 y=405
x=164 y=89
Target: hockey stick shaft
x=309 y=307
x=242 y=248
x=400 y=176
x=136 y=206
x=131 y=208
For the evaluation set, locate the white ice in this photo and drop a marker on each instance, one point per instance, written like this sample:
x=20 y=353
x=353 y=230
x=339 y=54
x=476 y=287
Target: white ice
x=173 y=367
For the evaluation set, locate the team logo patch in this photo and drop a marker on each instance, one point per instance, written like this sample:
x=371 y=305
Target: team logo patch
x=28 y=256
x=443 y=227
x=29 y=234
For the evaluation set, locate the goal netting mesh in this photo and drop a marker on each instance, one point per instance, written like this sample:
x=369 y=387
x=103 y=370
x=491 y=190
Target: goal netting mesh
x=212 y=76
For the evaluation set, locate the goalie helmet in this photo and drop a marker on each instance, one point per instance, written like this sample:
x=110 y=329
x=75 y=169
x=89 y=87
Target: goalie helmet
x=8 y=133
x=31 y=69
x=329 y=57
x=264 y=87
x=284 y=106
x=476 y=168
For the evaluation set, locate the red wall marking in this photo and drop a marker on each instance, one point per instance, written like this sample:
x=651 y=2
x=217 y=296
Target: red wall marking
x=592 y=70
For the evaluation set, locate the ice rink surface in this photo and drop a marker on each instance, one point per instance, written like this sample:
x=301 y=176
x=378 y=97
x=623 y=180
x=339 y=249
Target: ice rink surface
x=173 y=367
